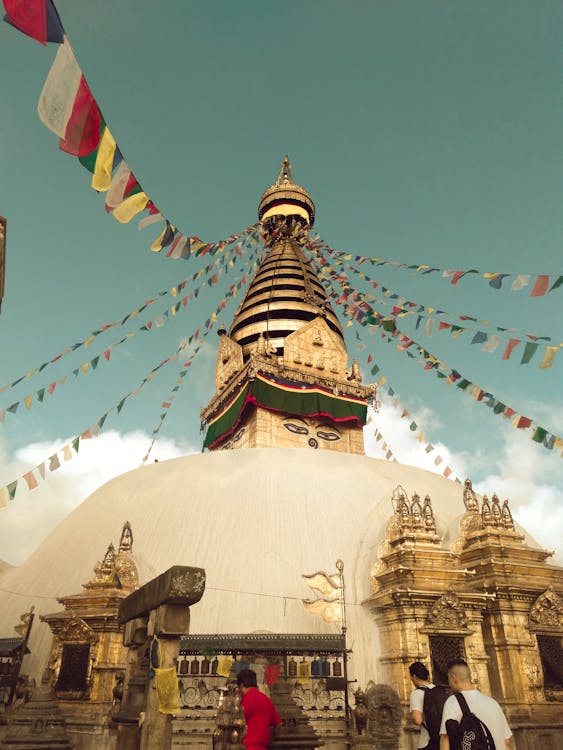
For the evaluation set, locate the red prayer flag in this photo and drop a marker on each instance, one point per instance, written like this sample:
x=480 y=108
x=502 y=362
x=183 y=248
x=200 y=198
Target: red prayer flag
x=510 y=347
x=28 y=16
x=540 y=287
x=272 y=673
x=456 y=277
x=370 y=359
x=82 y=133
x=444 y=326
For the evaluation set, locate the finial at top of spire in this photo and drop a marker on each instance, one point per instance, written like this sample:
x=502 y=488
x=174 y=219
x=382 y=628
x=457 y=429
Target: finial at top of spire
x=285 y=172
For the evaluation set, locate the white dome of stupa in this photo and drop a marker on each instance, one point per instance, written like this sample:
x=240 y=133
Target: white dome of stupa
x=255 y=520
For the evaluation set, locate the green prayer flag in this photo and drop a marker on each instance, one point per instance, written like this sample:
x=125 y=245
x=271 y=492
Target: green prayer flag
x=463 y=384
x=557 y=283
x=12 y=489
x=75 y=443
x=120 y=405
x=499 y=407
x=94 y=362
x=539 y=435
x=40 y=394
x=412 y=426
x=375 y=369
x=529 y=351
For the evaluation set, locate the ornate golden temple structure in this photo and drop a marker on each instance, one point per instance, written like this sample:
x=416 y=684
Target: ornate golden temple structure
x=282 y=376
x=436 y=572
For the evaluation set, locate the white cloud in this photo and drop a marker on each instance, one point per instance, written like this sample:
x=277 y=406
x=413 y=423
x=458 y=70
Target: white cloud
x=33 y=514
x=518 y=469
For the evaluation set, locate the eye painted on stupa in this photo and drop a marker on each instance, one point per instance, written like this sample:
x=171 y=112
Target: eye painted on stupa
x=297 y=426
x=326 y=432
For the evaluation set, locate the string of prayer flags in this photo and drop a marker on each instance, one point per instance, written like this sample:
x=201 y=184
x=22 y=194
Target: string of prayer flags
x=429 y=361
x=541 y=285
x=69 y=109
x=402 y=307
x=209 y=280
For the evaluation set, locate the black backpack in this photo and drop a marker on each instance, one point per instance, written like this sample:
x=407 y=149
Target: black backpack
x=470 y=733
x=432 y=707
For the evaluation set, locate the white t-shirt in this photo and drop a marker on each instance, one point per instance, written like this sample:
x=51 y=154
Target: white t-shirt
x=485 y=708
x=417 y=702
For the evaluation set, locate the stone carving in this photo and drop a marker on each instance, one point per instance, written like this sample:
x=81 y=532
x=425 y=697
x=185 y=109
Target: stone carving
x=385 y=716
x=486 y=513
x=547 y=611
x=496 y=511
x=77 y=631
x=360 y=712
x=447 y=613
x=185 y=583
x=229 y=360
x=428 y=515
x=416 y=512
x=507 y=520
x=470 y=498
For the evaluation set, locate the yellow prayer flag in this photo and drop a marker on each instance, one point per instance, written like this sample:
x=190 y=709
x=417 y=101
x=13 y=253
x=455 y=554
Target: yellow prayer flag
x=3 y=500
x=547 y=360
x=167 y=690
x=224 y=666
x=101 y=179
x=156 y=246
x=31 y=372
x=349 y=323
x=174 y=291
x=88 y=341
x=67 y=453
x=490 y=275
x=27 y=401
x=303 y=672
x=130 y=207
x=85 y=367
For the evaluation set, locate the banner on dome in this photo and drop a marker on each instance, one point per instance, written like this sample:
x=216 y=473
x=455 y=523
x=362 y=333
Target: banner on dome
x=281 y=395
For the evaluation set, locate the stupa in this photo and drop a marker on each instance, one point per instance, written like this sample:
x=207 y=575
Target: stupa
x=284 y=491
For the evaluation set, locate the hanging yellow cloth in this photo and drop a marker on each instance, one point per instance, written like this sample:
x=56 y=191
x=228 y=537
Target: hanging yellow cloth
x=224 y=666
x=130 y=207
x=167 y=690
x=101 y=179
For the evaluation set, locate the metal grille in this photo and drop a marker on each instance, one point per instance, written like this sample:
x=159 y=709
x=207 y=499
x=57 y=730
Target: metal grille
x=74 y=667
x=443 y=650
x=551 y=661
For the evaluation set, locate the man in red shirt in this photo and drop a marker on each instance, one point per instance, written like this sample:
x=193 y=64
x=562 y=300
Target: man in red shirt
x=259 y=712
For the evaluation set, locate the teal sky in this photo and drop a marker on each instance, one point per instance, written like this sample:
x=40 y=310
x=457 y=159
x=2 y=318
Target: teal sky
x=425 y=132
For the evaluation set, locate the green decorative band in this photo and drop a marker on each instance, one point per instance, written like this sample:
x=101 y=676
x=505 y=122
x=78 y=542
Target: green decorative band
x=289 y=397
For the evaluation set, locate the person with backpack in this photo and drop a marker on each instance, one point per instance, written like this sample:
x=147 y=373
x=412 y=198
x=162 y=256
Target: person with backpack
x=426 y=703
x=471 y=720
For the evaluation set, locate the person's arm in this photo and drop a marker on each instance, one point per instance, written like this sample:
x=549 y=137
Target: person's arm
x=416 y=717
x=444 y=742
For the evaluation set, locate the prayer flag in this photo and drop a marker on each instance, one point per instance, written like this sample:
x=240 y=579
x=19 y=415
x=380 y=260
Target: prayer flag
x=224 y=666
x=529 y=351
x=497 y=279
x=547 y=359
x=130 y=207
x=272 y=673
x=12 y=487
x=59 y=91
x=27 y=401
x=491 y=344
x=520 y=282
x=167 y=690
x=510 y=347
x=3 y=501
x=479 y=338
x=521 y=423
x=101 y=179
x=438 y=460
x=539 y=435
x=540 y=286
x=54 y=462
x=116 y=191
x=303 y=671
x=31 y=480
x=67 y=453
x=37 y=19
x=82 y=132
x=41 y=470
x=557 y=283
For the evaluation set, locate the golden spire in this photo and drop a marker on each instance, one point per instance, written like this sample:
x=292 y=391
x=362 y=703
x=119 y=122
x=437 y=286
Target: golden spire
x=285 y=293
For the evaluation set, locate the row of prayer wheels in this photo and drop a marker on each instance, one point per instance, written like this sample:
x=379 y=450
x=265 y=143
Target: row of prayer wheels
x=315 y=667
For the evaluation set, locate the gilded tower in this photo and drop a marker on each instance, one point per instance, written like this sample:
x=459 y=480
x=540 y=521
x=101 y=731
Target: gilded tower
x=282 y=376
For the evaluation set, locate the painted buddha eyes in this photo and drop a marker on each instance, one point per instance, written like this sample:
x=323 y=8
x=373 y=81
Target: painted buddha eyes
x=298 y=428
x=323 y=432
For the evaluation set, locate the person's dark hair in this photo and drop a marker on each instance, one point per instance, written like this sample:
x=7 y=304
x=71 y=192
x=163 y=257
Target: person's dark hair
x=457 y=663
x=417 y=669
x=247 y=678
